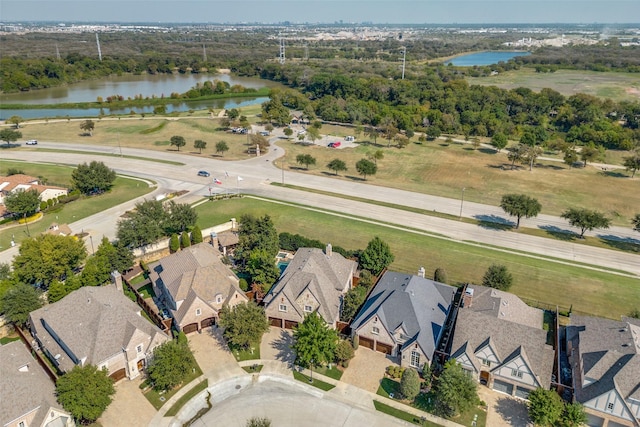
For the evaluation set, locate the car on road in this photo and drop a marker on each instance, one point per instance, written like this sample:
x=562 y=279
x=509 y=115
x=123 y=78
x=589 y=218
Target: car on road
x=335 y=144
x=204 y=173
x=32 y=142
x=265 y=133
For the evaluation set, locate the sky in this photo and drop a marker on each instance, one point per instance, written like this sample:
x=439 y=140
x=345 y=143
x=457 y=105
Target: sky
x=324 y=11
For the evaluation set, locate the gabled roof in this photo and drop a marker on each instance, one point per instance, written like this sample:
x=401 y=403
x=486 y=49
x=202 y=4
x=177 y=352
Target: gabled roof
x=23 y=182
x=418 y=305
x=503 y=305
x=94 y=323
x=24 y=386
x=327 y=277
x=609 y=351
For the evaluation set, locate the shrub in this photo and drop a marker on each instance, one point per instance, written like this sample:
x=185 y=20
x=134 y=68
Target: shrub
x=185 y=240
x=344 y=352
x=355 y=342
x=440 y=275
x=174 y=243
x=243 y=284
x=144 y=266
x=410 y=384
x=43 y=205
x=196 y=235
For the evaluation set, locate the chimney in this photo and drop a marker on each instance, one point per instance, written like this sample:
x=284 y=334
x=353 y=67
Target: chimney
x=214 y=240
x=329 y=250
x=234 y=224
x=467 y=299
x=116 y=278
x=421 y=272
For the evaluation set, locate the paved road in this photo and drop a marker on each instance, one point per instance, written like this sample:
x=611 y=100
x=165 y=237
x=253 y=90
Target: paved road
x=258 y=172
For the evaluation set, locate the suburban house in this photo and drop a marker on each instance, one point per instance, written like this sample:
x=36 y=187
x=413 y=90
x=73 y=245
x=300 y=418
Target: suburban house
x=501 y=342
x=193 y=285
x=313 y=281
x=20 y=182
x=403 y=317
x=605 y=358
x=97 y=325
x=27 y=394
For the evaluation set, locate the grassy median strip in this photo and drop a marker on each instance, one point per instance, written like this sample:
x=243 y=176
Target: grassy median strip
x=187 y=397
x=406 y=416
x=316 y=383
x=98 y=153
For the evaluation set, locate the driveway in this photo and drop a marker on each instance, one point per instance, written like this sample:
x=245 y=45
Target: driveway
x=366 y=369
x=213 y=355
x=129 y=406
x=276 y=345
x=504 y=411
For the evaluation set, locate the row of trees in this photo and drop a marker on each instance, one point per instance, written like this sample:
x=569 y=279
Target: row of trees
x=365 y=167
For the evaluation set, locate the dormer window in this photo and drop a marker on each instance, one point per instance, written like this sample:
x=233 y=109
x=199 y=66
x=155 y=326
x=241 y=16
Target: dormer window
x=139 y=348
x=198 y=311
x=282 y=307
x=308 y=308
x=219 y=298
x=375 y=330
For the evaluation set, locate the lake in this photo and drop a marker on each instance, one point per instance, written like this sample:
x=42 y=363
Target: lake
x=484 y=58
x=128 y=86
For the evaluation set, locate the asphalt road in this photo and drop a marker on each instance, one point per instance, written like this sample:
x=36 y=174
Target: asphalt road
x=257 y=173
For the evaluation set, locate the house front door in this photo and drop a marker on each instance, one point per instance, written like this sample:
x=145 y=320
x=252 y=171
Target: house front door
x=484 y=377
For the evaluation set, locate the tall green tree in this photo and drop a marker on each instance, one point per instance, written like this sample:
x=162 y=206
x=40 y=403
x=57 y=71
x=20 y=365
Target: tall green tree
x=200 y=145
x=144 y=225
x=179 y=217
x=353 y=299
x=171 y=363
x=88 y=126
x=591 y=153
x=221 y=147
x=177 y=141
x=366 y=167
x=93 y=178
x=22 y=202
x=15 y=120
x=196 y=235
x=574 y=415
x=306 y=160
x=107 y=259
x=314 y=342
x=570 y=156
x=85 y=392
x=516 y=154
x=262 y=269
x=499 y=141
x=585 y=219
x=410 y=384
x=377 y=256
x=337 y=165
x=244 y=324
x=9 y=135
x=455 y=390
x=174 y=243
x=185 y=239
x=632 y=163
x=497 y=276
x=257 y=233
x=18 y=301
x=520 y=205
x=545 y=407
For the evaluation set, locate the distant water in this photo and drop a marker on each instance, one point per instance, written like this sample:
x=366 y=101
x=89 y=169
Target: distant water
x=484 y=58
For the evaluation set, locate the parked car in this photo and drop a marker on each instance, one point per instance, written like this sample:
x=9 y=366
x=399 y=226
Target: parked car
x=204 y=173
x=349 y=139
x=32 y=142
x=265 y=133
x=335 y=144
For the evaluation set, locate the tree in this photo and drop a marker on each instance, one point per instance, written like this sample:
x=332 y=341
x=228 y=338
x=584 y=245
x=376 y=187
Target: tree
x=171 y=363
x=545 y=407
x=440 y=275
x=455 y=390
x=256 y=233
x=9 y=135
x=258 y=422
x=200 y=144
x=376 y=155
x=497 y=276
x=57 y=291
x=174 y=243
x=305 y=159
x=314 y=342
x=144 y=225
x=516 y=154
x=233 y=113
x=499 y=141
x=366 y=167
x=520 y=205
x=353 y=299
x=85 y=392
x=570 y=156
x=180 y=217
x=344 y=352
x=530 y=155
x=93 y=178
x=313 y=133
x=178 y=141
x=337 y=165
x=221 y=147
x=585 y=219
x=20 y=300
x=632 y=163
x=410 y=384
x=590 y=153
x=88 y=126
x=185 y=240
x=22 y=202
x=48 y=257
x=244 y=324
x=287 y=132
x=16 y=120
x=107 y=259
x=377 y=256
x=636 y=222
x=196 y=235
x=262 y=269
x=574 y=415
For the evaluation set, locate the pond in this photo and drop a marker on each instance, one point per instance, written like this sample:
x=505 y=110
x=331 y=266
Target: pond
x=484 y=58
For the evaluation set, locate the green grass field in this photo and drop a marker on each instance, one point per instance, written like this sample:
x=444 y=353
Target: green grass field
x=587 y=291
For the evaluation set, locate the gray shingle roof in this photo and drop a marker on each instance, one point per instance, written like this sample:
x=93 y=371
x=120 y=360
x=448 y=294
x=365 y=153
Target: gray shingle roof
x=94 y=323
x=610 y=353
x=26 y=389
x=326 y=277
x=418 y=305
x=504 y=305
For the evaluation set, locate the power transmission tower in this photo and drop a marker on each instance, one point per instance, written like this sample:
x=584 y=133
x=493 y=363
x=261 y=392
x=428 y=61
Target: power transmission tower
x=404 y=59
x=282 y=55
x=57 y=52
x=306 y=52
x=99 y=50
x=204 y=53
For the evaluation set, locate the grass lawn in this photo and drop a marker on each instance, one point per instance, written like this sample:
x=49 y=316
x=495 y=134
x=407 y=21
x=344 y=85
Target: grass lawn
x=252 y=353
x=187 y=397
x=390 y=410
x=124 y=189
x=138 y=279
x=253 y=369
x=146 y=291
x=592 y=292
x=7 y=340
x=316 y=383
x=334 y=372
x=388 y=387
x=157 y=400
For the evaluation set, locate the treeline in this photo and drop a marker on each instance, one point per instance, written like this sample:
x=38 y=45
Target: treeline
x=598 y=57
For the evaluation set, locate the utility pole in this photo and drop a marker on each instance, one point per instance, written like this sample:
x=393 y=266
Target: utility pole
x=282 y=51
x=99 y=50
x=204 y=53
x=404 y=59
x=461 y=203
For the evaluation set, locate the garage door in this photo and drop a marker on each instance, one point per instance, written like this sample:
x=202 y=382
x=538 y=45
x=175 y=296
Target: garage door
x=208 y=322
x=615 y=424
x=593 y=421
x=273 y=321
x=522 y=393
x=290 y=324
x=365 y=342
x=191 y=327
x=118 y=375
x=503 y=387
x=384 y=348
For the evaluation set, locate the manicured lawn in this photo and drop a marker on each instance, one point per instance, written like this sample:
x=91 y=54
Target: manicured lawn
x=389 y=387
x=252 y=353
x=138 y=279
x=316 y=383
x=592 y=292
x=7 y=340
x=187 y=397
x=146 y=291
x=390 y=410
x=334 y=372
x=157 y=400
x=253 y=369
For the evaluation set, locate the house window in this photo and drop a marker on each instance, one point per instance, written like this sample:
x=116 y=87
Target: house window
x=415 y=359
x=139 y=348
x=308 y=308
x=516 y=373
x=486 y=362
x=22 y=424
x=219 y=299
x=610 y=406
x=375 y=330
x=198 y=312
x=282 y=307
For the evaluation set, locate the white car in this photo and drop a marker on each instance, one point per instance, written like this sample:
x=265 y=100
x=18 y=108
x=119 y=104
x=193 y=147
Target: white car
x=32 y=142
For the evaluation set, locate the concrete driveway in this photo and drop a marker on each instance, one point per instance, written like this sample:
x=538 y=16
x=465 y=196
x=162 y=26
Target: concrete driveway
x=504 y=411
x=129 y=406
x=213 y=355
x=276 y=345
x=366 y=369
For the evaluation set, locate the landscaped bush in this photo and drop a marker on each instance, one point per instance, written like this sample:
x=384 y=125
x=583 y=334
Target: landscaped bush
x=243 y=284
x=292 y=242
x=395 y=372
x=43 y=205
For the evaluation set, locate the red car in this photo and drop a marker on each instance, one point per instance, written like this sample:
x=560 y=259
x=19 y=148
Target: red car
x=335 y=144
